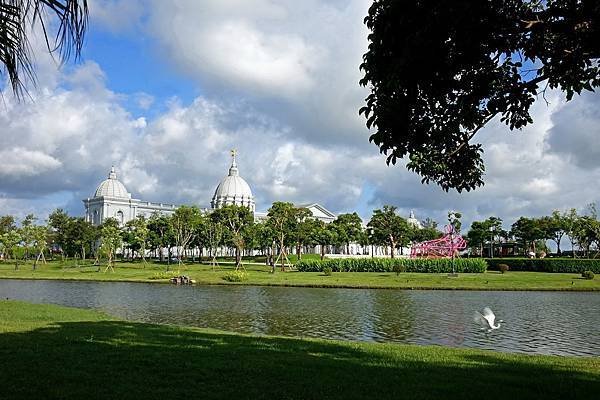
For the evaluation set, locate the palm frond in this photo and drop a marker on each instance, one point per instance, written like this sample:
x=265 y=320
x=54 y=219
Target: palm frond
x=16 y=18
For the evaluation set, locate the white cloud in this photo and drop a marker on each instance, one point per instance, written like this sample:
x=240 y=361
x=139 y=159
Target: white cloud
x=279 y=83
x=18 y=162
x=296 y=61
x=213 y=42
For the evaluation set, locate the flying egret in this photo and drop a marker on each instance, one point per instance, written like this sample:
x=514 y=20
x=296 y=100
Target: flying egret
x=487 y=319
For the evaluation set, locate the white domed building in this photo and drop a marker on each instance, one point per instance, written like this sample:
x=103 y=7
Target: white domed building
x=112 y=200
x=233 y=190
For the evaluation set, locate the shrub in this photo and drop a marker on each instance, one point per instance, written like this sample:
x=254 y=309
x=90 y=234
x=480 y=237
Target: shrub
x=587 y=275
x=164 y=275
x=398 y=268
x=327 y=271
x=235 y=276
x=440 y=265
x=566 y=265
x=503 y=267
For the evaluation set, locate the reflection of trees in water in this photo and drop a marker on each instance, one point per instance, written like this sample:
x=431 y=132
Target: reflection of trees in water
x=311 y=312
x=393 y=315
x=320 y=313
x=237 y=309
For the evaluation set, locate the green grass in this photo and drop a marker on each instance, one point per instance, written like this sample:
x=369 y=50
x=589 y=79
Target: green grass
x=64 y=353
x=259 y=275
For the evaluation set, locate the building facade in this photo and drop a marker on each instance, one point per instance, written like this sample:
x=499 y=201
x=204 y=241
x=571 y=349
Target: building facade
x=112 y=200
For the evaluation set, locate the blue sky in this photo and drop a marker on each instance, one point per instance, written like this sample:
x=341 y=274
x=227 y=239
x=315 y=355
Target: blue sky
x=132 y=65
x=165 y=89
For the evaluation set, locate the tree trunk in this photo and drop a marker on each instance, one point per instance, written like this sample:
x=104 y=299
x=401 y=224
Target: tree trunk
x=393 y=245
x=238 y=258
x=168 y=257
x=273 y=248
x=322 y=252
x=35 y=262
x=299 y=251
x=283 y=253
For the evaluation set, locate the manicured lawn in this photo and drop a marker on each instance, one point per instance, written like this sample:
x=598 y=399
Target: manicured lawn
x=56 y=352
x=259 y=274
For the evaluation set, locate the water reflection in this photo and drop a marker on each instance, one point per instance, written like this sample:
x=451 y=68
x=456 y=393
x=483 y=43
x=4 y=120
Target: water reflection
x=536 y=322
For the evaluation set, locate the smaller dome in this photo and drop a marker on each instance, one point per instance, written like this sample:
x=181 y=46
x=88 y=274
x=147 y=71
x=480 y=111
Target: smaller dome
x=112 y=187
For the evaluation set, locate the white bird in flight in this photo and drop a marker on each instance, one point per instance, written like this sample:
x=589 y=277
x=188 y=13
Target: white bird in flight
x=487 y=319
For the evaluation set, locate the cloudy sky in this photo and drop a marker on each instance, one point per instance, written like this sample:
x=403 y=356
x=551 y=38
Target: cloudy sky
x=165 y=89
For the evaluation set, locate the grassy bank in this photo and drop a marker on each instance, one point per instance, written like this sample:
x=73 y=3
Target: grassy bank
x=56 y=352
x=260 y=275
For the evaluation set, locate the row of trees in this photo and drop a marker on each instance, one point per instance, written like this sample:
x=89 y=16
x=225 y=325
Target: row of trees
x=189 y=233
x=581 y=230
x=28 y=241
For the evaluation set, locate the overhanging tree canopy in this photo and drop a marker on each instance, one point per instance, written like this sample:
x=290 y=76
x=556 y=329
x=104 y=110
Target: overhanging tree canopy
x=440 y=70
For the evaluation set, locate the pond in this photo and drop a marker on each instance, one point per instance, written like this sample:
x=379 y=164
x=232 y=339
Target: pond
x=563 y=323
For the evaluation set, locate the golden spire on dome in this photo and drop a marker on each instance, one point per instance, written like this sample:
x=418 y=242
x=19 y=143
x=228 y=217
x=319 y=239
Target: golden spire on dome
x=233 y=170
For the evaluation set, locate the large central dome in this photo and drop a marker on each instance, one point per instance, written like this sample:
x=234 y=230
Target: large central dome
x=112 y=187
x=233 y=189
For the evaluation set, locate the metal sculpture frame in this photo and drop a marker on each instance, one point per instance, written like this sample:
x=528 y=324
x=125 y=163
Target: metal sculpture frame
x=447 y=246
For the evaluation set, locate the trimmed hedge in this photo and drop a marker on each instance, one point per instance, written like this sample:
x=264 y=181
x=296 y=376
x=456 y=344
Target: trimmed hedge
x=439 y=265
x=570 y=265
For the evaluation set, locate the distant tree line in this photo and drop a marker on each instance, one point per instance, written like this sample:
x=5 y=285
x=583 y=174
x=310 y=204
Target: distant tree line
x=232 y=231
x=189 y=233
x=531 y=235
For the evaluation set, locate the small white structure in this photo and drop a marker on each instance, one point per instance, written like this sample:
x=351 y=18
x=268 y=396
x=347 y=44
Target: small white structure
x=413 y=221
x=112 y=200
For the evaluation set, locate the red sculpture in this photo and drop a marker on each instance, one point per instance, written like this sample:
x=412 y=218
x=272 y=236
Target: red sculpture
x=446 y=246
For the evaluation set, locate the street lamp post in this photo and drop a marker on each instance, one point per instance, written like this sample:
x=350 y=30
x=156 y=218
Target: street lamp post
x=371 y=241
x=491 y=242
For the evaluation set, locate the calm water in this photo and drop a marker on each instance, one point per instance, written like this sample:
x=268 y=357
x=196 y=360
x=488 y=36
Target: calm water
x=535 y=322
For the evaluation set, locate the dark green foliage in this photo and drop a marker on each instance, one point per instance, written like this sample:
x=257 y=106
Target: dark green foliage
x=439 y=265
x=527 y=231
x=587 y=275
x=73 y=235
x=565 y=265
x=398 y=268
x=503 y=268
x=439 y=71
x=327 y=271
x=387 y=228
